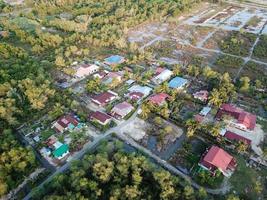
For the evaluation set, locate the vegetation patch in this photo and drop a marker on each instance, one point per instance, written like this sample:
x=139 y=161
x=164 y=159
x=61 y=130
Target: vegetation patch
x=16 y=162
x=238 y=43
x=230 y=64
x=260 y=51
x=111 y=173
x=248 y=182
x=255 y=71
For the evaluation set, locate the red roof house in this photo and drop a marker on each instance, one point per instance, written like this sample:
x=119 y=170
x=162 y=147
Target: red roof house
x=243 y=120
x=135 y=95
x=234 y=137
x=121 y=110
x=158 y=99
x=216 y=158
x=104 y=98
x=159 y=70
x=202 y=95
x=101 y=118
x=64 y=123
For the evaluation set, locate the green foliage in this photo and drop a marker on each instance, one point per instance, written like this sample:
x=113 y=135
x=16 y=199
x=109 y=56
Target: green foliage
x=229 y=62
x=15 y=162
x=238 y=43
x=260 y=51
x=116 y=175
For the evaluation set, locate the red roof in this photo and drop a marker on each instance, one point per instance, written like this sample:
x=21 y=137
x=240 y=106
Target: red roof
x=247 y=119
x=102 y=117
x=159 y=70
x=199 y=118
x=158 y=98
x=103 y=98
x=233 y=136
x=218 y=158
x=136 y=95
x=64 y=121
x=243 y=117
x=202 y=94
x=123 y=105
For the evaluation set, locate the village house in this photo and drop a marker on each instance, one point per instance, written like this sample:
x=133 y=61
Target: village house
x=65 y=123
x=104 y=98
x=100 y=74
x=135 y=96
x=100 y=117
x=111 y=77
x=137 y=92
x=54 y=147
x=217 y=159
x=233 y=137
x=60 y=150
x=114 y=60
x=178 y=83
x=202 y=114
x=84 y=70
x=121 y=110
x=158 y=99
x=162 y=74
x=201 y=95
x=238 y=117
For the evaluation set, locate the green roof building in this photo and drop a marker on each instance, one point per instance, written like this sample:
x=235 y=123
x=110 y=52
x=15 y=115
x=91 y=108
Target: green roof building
x=61 y=151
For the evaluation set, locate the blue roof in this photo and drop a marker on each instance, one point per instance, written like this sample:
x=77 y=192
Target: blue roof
x=115 y=59
x=178 y=82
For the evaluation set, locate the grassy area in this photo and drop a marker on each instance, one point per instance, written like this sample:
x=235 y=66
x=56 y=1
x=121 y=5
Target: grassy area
x=244 y=180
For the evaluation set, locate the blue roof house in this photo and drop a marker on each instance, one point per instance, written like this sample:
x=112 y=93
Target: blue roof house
x=114 y=60
x=178 y=83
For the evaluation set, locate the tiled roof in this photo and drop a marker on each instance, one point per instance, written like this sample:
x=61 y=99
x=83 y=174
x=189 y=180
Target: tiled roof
x=233 y=136
x=64 y=121
x=218 y=158
x=103 y=97
x=158 y=98
x=136 y=95
x=102 y=117
x=243 y=117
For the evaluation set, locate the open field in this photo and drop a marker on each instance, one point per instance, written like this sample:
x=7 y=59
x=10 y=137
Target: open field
x=216 y=32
